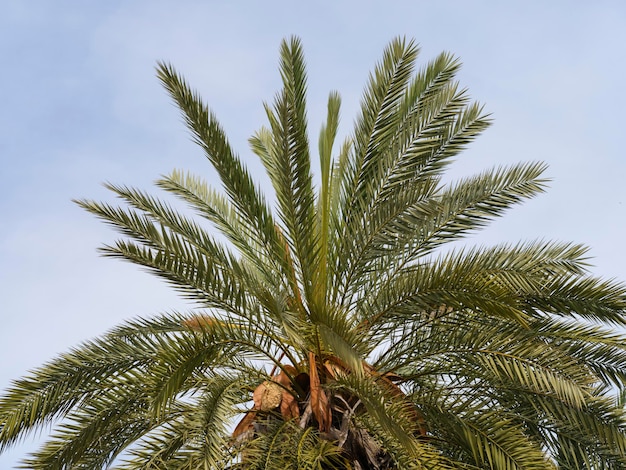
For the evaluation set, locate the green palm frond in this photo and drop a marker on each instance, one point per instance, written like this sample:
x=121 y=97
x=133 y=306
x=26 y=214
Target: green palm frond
x=54 y=389
x=244 y=195
x=197 y=435
x=487 y=439
x=287 y=446
x=288 y=164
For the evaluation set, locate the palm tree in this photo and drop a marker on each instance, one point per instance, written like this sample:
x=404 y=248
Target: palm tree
x=338 y=330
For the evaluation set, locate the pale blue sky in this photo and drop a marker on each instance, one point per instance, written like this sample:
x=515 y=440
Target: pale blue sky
x=79 y=105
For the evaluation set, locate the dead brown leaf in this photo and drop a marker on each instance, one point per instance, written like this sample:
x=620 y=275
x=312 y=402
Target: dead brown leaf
x=289 y=407
x=200 y=322
x=319 y=400
x=246 y=424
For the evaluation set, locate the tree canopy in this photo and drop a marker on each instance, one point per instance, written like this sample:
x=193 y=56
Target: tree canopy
x=338 y=328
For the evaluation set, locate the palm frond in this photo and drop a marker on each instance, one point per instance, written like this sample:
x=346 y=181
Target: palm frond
x=54 y=389
x=324 y=204
x=240 y=188
x=197 y=435
x=287 y=161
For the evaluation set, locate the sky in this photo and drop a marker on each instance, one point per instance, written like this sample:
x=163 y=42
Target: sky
x=80 y=105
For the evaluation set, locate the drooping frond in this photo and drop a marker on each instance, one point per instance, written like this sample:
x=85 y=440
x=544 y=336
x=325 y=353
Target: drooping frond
x=197 y=436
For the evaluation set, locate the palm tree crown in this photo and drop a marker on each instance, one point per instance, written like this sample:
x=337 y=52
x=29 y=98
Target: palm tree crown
x=333 y=331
